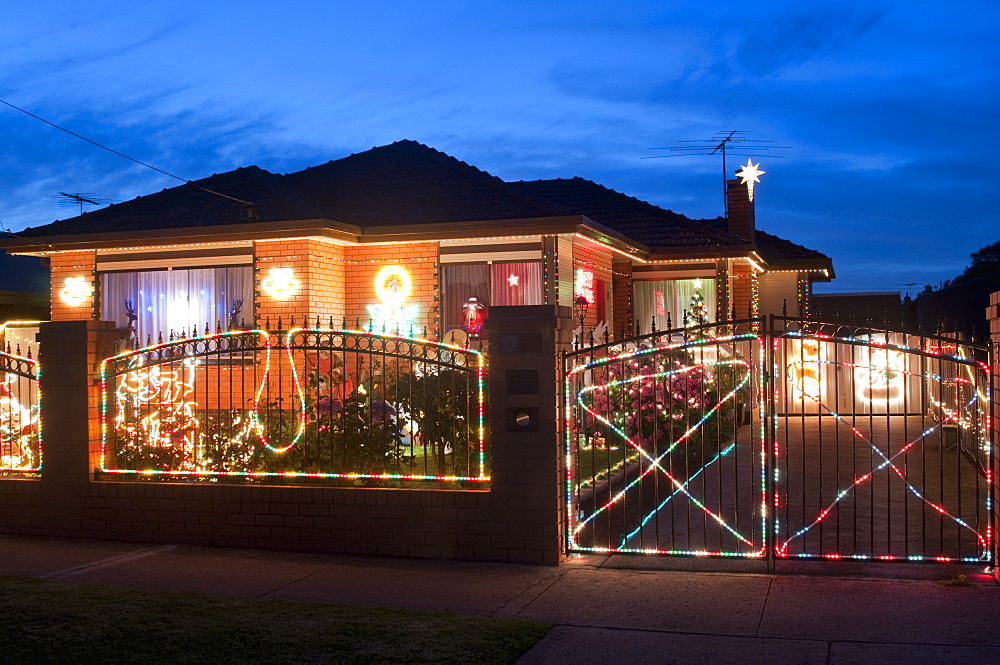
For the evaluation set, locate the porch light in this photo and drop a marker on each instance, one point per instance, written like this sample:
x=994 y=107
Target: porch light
x=75 y=291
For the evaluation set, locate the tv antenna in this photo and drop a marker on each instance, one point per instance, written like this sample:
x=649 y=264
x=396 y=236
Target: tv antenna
x=719 y=144
x=79 y=199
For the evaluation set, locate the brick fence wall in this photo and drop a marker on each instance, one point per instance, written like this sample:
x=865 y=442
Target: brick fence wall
x=518 y=519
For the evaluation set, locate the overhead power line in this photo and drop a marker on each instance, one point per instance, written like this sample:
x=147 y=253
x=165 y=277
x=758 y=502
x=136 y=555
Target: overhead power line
x=250 y=205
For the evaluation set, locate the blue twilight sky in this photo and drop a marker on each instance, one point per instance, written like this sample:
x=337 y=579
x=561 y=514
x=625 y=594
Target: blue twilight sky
x=889 y=109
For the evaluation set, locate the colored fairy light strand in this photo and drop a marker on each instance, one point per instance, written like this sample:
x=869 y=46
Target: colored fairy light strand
x=20 y=425
x=167 y=395
x=655 y=463
x=888 y=461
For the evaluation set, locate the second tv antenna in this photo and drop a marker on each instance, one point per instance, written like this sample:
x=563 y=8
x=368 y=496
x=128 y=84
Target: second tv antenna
x=720 y=145
x=79 y=199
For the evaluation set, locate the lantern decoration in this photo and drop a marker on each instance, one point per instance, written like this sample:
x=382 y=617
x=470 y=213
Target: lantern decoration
x=392 y=286
x=280 y=283
x=473 y=316
x=75 y=291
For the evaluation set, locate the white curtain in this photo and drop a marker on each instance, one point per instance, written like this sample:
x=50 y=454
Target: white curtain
x=516 y=283
x=177 y=300
x=659 y=298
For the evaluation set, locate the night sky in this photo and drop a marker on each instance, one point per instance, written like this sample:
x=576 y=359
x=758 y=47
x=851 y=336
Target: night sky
x=889 y=109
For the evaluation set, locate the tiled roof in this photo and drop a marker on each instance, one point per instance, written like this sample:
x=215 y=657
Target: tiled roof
x=276 y=198
x=409 y=183
x=402 y=183
x=649 y=224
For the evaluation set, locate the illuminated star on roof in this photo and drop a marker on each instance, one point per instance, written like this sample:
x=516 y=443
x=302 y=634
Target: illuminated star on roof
x=750 y=174
x=513 y=280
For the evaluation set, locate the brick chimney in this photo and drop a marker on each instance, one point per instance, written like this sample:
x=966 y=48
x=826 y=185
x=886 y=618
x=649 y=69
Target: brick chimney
x=742 y=220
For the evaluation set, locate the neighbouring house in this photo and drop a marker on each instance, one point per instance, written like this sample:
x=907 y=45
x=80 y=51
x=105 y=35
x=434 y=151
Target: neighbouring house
x=404 y=237
x=877 y=309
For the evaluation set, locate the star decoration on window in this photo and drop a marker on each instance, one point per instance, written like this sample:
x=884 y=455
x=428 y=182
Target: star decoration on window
x=513 y=280
x=750 y=174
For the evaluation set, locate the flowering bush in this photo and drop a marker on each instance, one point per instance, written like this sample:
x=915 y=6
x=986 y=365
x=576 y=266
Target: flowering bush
x=662 y=401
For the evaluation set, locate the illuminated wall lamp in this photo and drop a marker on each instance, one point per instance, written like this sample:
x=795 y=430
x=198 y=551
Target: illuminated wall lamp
x=280 y=283
x=75 y=291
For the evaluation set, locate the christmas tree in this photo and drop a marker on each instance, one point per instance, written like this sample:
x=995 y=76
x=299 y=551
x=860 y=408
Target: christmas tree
x=697 y=312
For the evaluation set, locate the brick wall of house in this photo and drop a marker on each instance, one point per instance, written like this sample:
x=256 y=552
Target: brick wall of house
x=518 y=519
x=419 y=259
x=285 y=254
x=742 y=289
x=64 y=265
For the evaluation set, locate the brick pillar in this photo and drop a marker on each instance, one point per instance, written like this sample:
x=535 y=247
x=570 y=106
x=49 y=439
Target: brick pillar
x=621 y=290
x=69 y=353
x=525 y=385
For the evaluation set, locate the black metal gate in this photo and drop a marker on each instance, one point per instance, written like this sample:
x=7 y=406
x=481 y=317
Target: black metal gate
x=781 y=438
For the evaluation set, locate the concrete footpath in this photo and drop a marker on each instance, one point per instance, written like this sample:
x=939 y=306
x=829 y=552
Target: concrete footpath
x=604 y=609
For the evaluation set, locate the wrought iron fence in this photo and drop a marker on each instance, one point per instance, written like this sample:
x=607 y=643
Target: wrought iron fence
x=782 y=439
x=884 y=445
x=664 y=443
x=304 y=404
x=20 y=416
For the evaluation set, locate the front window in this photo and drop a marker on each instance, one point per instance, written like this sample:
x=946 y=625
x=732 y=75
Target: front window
x=183 y=299
x=498 y=283
x=663 y=300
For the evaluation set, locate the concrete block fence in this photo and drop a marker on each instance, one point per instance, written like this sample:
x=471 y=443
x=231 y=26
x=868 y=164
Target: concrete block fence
x=518 y=519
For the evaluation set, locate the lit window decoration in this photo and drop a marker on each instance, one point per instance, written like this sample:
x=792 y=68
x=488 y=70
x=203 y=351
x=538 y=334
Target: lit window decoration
x=880 y=371
x=513 y=280
x=584 y=285
x=392 y=286
x=280 y=283
x=696 y=313
x=661 y=309
x=750 y=173
x=76 y=291
x=473 y=316
x=804 y=372
x=163 y=398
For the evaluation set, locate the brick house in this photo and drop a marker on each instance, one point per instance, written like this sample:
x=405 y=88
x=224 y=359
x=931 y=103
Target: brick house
x=186 y=259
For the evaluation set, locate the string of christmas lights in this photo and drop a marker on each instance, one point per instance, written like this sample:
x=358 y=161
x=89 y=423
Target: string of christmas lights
x=885 y=367
x=590 y=400
x=20 y=425
x=154 y=409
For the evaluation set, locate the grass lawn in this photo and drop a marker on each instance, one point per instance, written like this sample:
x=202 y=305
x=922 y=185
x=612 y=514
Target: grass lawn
x=65 y=622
